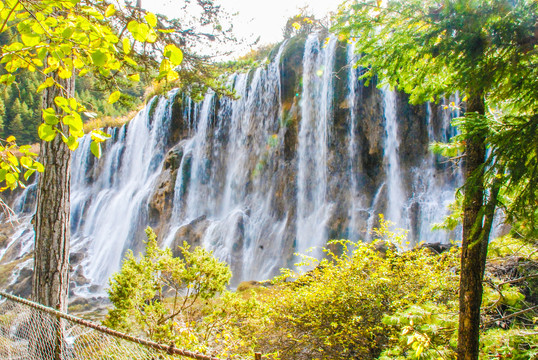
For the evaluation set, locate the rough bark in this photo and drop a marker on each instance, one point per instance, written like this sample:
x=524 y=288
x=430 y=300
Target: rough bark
x=52 y=232
x=52 y=218
x=472 y=269
x=51 y=260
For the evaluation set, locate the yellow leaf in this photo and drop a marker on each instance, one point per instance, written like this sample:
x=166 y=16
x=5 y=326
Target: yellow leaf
x=172 y=75
x=296 y=25
x=46 y=84
x=126 y=46
x=64 y=73
x=110 y=10
x=115 y=96
x=174 y=54
x=151 y=19
x=11 y=139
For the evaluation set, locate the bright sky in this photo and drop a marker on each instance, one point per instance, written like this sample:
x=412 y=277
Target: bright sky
x=263 y=18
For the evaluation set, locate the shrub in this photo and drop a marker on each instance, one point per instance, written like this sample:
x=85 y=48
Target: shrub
x=158 y=295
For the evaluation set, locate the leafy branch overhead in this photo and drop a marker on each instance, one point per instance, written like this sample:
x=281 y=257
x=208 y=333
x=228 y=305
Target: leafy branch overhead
x=68 y=38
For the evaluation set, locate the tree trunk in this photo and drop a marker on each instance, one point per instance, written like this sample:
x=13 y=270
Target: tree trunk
x=52 y=232
x=472 y=267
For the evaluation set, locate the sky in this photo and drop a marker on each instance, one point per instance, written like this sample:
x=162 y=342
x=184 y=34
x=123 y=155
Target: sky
x=256 y=18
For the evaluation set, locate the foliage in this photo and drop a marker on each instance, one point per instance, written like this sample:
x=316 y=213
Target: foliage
x=485 y=49
x=157 y=294
x=54 y=41
x=254 y=58
x=13 y=158
x=20 y=105
x=335 y=310
x=356 y=303
x=430 y=49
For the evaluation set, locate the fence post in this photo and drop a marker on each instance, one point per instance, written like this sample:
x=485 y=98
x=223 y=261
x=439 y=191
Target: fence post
x=257 y=356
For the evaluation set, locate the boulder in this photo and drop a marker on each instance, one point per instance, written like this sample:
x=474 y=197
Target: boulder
x=192 y=233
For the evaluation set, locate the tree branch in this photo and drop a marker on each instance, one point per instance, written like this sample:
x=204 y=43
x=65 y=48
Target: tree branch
x=511 y=315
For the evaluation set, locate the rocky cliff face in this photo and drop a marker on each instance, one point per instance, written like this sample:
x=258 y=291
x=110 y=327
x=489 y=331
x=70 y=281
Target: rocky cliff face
x=306 y=154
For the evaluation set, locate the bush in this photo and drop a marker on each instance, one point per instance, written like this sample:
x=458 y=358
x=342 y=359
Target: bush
x=158 y=295
x=337 y=309
x=362 y=301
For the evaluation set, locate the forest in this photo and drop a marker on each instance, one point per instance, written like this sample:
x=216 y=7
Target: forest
x=288 y=197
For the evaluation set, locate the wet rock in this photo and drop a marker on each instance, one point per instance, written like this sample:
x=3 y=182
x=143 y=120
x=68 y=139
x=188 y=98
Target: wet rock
x=436 y=248
x=161 y=200
x=23 y=286
x=192 y=233
x=382 y=247
x=5 y=232
x=75 y=258
x=291 y=69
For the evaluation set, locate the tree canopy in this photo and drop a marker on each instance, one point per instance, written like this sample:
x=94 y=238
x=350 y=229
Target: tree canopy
x=55 y=40
x=485 y=49
x=431 y=49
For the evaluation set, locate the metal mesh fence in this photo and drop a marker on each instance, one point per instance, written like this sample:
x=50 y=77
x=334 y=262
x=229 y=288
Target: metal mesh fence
x=31 y=331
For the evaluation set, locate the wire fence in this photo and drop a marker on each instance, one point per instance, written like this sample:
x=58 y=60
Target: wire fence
x=30 y=331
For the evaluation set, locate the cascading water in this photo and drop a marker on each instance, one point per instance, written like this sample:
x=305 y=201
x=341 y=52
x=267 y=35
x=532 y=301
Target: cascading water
x=302 y=154
x=108 y=210
x=395 y=193
x=313 y=209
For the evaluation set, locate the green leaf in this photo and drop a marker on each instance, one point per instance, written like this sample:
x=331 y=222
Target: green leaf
x=75 y=123
x=16 y=46
x=11 y=180
x=95 y=148
x=30 y=39
x=115 y=96
x=173 y=53
x=46 y=132
x=7 y=79
x=71 y=141
x=61 y=101
x=28 y=173
x=138 y=30
x=26 y=162
x=68 y=32
x=49 y=116
x=99 y=58
x=3 y=174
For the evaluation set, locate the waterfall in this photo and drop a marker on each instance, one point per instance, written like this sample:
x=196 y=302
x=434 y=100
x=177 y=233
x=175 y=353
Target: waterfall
x=357 y=207
x=313 y=210
x=108 y=210
x=395 y=193
x=304 y=152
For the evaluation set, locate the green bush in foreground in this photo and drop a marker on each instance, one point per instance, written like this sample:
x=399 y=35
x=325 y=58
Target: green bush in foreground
x=158 y=295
